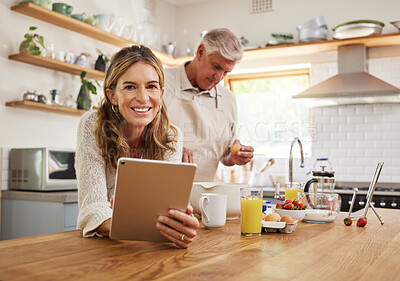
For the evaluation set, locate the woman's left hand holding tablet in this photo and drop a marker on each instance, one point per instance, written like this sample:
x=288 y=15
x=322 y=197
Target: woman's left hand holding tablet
x=178 y=227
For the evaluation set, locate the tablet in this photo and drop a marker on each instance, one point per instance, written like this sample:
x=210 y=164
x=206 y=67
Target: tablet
x=145 y=189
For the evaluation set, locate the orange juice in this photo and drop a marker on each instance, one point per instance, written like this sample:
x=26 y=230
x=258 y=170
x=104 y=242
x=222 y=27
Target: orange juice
x=251 y=215
x=292 y=193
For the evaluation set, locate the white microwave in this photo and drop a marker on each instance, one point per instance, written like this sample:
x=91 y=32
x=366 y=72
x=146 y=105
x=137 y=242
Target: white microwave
x=42 y=169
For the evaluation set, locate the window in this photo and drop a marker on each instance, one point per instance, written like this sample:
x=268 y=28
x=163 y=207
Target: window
x=268 y=117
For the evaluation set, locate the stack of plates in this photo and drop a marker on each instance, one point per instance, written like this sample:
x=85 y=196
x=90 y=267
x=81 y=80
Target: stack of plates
x=359 y=28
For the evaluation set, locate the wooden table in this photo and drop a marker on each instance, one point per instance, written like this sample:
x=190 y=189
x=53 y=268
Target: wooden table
x=313 y=252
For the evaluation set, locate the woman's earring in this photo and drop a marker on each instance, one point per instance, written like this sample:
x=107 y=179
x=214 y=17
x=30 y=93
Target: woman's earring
x=114 y=108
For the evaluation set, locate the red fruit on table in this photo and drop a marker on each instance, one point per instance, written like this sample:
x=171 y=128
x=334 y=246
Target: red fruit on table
x=362 y=222
x=288 y=206
x=278 y=206
x=347 y=221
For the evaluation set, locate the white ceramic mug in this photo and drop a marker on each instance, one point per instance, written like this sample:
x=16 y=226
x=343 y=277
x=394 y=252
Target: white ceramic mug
x=213 y=209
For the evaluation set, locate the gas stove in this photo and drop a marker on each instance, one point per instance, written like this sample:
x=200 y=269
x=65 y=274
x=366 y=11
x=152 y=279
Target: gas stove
x=386 y=195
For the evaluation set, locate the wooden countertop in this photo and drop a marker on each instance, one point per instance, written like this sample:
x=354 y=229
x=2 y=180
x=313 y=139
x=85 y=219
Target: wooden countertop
x=313 y=252
x=53 y=196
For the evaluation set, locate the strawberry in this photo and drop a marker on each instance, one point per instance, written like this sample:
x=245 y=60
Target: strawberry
x=347 y=221
x=287 y=201
x=361 y=222
x=288 y=206
x=278 y=206
x=296 y=203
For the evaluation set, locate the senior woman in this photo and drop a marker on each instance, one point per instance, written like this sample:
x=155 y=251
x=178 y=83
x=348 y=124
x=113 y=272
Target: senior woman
x=131 y=122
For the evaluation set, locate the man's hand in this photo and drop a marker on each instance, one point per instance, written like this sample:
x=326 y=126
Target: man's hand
x=187 y=155
x=244 y=155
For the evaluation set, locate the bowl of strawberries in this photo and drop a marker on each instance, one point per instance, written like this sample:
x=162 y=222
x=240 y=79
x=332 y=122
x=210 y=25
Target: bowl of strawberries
x=293 y=208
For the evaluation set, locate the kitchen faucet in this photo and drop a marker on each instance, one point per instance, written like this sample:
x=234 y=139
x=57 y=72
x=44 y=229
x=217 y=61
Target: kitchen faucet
x=277 y=196
x=296 y=139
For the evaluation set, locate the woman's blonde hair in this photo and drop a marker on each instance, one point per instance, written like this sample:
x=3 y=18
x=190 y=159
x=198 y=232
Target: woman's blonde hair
x=108 y=130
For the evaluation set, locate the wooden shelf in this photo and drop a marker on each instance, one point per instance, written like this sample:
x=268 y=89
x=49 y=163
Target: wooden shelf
x=392 y=39
x=38 y=12
x=46 y=107
x=57 y=65
x=63 y=21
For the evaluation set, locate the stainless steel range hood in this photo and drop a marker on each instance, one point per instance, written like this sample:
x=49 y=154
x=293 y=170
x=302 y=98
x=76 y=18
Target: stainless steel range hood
x=353 y=84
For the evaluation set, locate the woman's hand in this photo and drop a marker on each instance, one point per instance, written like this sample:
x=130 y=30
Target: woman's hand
x=179 y=227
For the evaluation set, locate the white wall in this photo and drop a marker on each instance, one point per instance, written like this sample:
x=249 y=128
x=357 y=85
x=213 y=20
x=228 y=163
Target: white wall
x=29 y=128
x=286 y=16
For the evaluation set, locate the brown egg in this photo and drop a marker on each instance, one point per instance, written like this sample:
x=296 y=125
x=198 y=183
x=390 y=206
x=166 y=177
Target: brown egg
x=235 y=148
x=287 y=219
x=273 y=217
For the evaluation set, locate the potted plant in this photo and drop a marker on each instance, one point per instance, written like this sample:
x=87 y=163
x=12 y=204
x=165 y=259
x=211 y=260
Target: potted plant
x=31 y=42
x=101 y=61
x=83 y=101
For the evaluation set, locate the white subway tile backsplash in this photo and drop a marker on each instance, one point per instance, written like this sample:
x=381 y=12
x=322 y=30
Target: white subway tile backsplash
x=376 y=118
x=355 y=136
x=363 y=110
x=382 y=109
x=380 y=144
x=345 y=177
x=395 y=126
x=372 y=136
x=391 y=118
x=338 y=153
x=362 y=178
x=347 y=110
x=347 y=145
x=330 y=145
x=373 y=152
x=356 y=153
x=338 y=136
x=338 y=119
x=393 y=135
x=382 y=127
x=355 y=119
x=391 y=153
x=364 y=127
x=330 y=111
x=330 y=127
x=347 y=127
x=365 y=144
x=345 y=162
x=395 y=179
x=357 y=170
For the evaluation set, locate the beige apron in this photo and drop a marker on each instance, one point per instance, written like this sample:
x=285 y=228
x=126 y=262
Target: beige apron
x=206 y=131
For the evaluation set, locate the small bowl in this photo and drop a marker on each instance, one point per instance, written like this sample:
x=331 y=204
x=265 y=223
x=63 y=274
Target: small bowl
x=396 y=24
x=295 y=214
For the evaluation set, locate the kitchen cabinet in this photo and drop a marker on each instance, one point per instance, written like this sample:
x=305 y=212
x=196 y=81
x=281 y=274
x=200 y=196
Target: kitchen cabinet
x=26 y=213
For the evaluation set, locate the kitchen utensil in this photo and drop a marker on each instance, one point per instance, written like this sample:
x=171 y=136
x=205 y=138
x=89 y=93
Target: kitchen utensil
x=30 y=96
x=324 y=181
x=396 y=24
x=313 y=30
x=358 y=28
x=213 y=210
x=63 y=8
x=370 y=193
x=268 y=164
x=42 y=99
x=230 y=189
x=79 y=17
x=322 y=207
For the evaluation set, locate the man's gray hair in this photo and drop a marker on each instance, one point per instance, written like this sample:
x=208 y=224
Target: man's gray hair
x=224 y=42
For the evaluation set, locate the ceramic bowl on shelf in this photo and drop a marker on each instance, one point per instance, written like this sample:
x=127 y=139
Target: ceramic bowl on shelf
x=359 y=28
x=396 y=24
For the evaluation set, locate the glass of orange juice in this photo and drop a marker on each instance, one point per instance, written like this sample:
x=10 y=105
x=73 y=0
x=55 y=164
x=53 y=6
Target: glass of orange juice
x=292 y=190
x=251 y=200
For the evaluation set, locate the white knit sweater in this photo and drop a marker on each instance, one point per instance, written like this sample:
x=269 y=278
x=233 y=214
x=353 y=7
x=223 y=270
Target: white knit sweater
x=95 y=182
